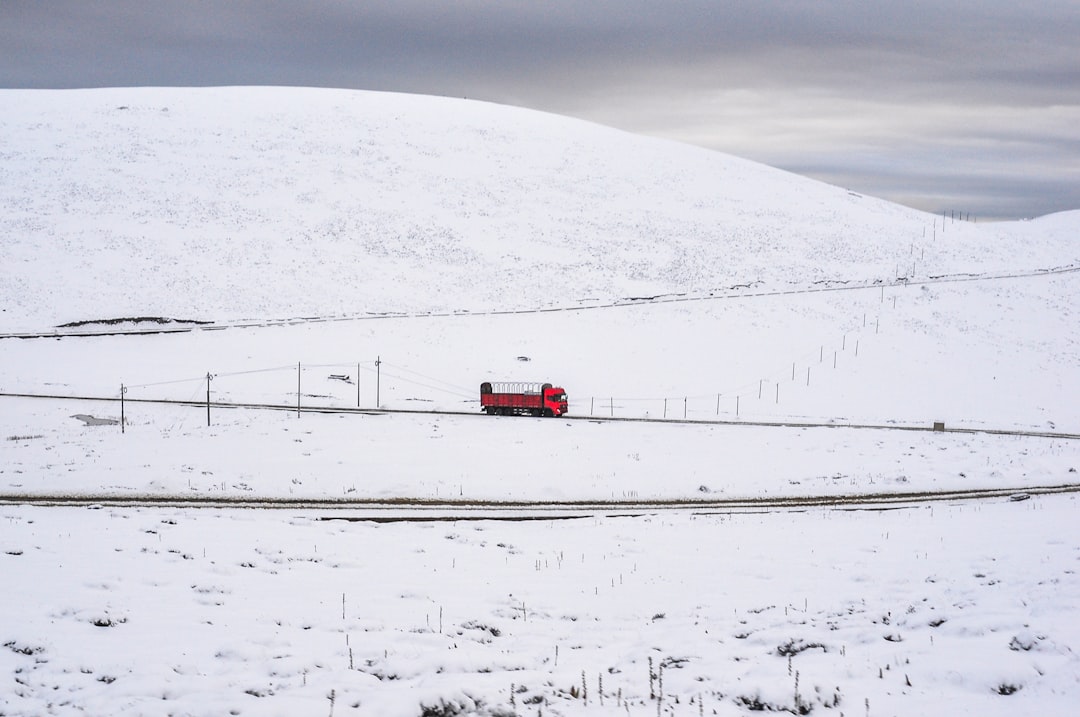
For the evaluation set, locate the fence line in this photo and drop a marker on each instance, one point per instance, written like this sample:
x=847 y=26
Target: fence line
x=802 y=371
x=729 y=401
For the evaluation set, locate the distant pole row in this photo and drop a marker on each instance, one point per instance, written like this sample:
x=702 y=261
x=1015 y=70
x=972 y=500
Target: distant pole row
x=299 y=372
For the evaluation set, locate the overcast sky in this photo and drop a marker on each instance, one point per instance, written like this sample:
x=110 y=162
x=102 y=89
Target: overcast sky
x=964 y=105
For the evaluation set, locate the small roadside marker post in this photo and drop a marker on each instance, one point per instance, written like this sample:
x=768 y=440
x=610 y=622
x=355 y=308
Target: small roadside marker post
x=378 y=380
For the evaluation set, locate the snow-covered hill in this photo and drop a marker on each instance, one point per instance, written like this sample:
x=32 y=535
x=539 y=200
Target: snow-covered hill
x=779 y=302
x=227 y=203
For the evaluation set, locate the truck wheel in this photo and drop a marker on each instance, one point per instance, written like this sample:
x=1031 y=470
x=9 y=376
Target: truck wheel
x=490 y=410
x=549 y=413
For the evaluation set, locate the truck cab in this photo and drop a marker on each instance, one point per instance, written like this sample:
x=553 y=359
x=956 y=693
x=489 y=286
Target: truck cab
x=555 y=401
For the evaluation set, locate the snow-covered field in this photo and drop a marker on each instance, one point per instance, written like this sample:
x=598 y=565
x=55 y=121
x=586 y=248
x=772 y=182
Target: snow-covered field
x=457 y=242
x=927 y=610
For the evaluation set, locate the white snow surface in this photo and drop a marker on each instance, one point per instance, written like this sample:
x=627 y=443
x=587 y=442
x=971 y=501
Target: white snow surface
x=224 y=203
x=793 y=339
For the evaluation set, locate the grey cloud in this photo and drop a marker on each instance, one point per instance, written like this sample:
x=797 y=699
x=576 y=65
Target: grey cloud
x=796 y=38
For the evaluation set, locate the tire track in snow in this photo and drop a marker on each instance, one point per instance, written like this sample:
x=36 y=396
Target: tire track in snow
x=724 y=295
x=428 y=510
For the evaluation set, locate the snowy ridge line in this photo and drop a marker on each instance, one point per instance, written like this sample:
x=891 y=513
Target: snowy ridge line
x=923 y=428
x=421 y=508
x=831 y=285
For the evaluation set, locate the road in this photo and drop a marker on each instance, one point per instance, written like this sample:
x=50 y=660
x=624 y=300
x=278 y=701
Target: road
x=570 y=417
x=421 y=510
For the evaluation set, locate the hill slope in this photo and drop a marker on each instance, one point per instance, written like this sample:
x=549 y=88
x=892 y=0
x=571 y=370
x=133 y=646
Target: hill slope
x=226 y=203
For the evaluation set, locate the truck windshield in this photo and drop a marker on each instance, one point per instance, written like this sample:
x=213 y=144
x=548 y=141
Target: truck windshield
x=558 y=397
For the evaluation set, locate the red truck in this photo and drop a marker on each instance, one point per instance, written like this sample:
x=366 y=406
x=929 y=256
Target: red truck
x=534 y=399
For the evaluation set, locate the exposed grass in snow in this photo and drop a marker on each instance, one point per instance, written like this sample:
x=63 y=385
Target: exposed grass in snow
x=168 y=611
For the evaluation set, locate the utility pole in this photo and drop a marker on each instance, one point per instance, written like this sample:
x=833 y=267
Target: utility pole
x=378 y=379
x=298 y=389
x=209 y=378
x=122 y=392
